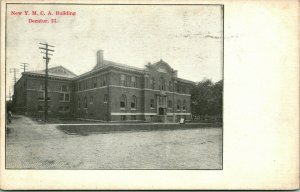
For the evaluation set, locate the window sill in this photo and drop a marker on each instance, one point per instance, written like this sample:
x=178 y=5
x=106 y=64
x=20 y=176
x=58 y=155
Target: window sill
x=122 y=109
x=133 y=109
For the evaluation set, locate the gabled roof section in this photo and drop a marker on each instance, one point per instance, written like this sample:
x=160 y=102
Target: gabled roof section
x=58 y=71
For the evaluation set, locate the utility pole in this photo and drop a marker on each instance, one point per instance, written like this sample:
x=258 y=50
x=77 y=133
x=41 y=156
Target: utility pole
x=46 y=50
x=24 y=65
x=14 y=70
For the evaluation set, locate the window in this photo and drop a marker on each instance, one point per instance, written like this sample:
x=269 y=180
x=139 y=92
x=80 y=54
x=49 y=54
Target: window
x=85 y=85
x=170 y=86
x=152 y=103
x=169 y=104
x=40 y=108
x=146 y=82
x=61 y=96
x=123 y=80
x=123 y=117
x=133 y=117
x=60 y=108
x=183 y=89
x=152 y=83
x=128 y=79
x=184 y=105
x=161 y=84
x=161 y=100
x=67 y=108
x=85 y=102
x=91 y=99
x=64 y=97
x=178 y=105
x=78 y=103
x=133 y=102
x=64 y=88
x=94 y=82
x=104 y=81
x=67 y=97
x=41 y=96
x=123 y=101
x=133 y=81
x=105 y=98
x=178 y=88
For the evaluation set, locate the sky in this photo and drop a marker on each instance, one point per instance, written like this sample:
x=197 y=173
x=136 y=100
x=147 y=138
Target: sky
x=188 y=37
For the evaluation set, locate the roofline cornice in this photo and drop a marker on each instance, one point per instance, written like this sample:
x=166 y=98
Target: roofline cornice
x=49 y=76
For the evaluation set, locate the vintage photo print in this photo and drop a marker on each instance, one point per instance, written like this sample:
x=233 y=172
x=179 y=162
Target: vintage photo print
x=114 y=86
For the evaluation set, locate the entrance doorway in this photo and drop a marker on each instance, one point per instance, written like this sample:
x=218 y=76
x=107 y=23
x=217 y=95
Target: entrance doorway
x=161 y=111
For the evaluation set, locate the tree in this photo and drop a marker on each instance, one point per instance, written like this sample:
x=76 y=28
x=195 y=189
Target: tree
x=207 y=98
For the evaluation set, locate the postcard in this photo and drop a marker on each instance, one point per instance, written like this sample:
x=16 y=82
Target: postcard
x=149 y=95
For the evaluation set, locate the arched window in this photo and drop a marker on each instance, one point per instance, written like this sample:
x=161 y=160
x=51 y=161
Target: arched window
x=133 y=102
x=123 y=101
x=184 y=105
x=105 y=98
x=85 y=102
x=178 y=105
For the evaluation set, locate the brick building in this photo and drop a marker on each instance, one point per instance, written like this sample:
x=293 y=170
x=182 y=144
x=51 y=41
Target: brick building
x=109 y=92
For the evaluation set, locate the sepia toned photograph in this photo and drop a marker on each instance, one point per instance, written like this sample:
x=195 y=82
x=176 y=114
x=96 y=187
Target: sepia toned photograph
x=114 y=86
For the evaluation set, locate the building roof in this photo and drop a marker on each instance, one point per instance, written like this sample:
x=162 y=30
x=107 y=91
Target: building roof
x=58 y=71
x=62 y=72
x=107 y=64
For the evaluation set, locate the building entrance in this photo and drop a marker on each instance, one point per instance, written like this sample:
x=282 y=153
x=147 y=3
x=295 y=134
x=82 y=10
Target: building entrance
x=161 y=105
x=161 y=111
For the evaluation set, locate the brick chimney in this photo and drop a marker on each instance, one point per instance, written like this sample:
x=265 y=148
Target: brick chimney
x=100 y=58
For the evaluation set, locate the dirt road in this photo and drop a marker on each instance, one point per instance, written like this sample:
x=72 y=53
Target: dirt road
x=35 y=146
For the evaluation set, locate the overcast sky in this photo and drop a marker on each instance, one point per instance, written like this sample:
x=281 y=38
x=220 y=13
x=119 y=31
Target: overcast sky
x=189 y=38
